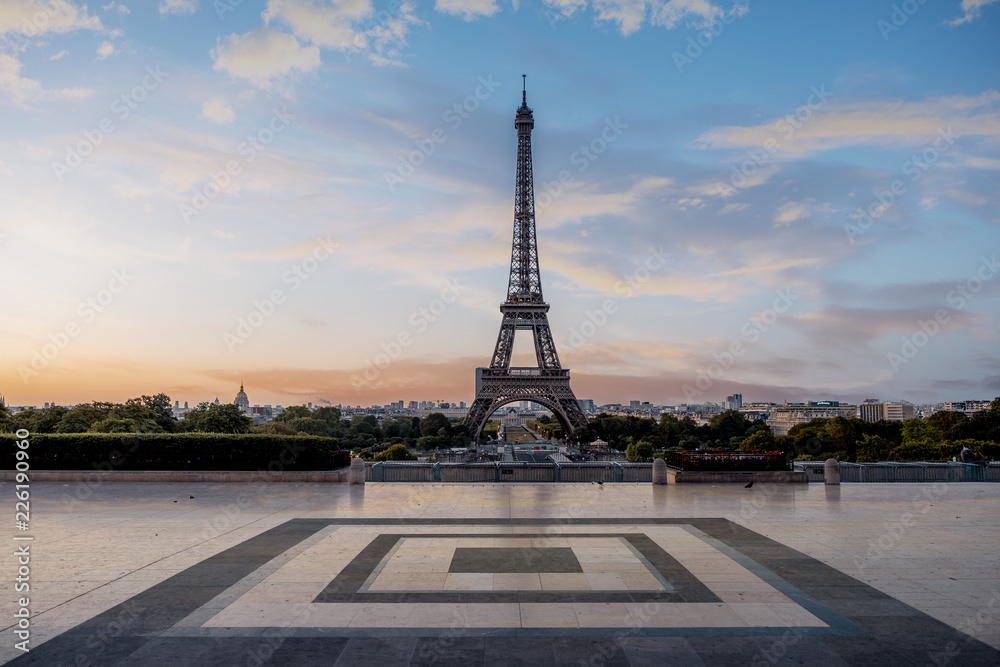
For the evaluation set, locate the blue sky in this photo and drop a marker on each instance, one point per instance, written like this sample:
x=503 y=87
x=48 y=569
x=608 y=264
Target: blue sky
x=197 y=193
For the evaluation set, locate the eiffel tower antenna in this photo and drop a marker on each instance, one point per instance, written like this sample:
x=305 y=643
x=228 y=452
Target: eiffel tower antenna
x=524 y=309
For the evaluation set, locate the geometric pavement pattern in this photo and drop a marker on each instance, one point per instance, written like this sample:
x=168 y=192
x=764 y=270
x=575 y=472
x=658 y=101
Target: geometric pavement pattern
x=507 y=592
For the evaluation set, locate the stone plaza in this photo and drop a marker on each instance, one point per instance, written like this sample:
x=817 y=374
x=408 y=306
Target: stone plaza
x=176 y=573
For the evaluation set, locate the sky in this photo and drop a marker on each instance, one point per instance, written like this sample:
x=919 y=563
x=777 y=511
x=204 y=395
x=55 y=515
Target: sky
x=793 y=201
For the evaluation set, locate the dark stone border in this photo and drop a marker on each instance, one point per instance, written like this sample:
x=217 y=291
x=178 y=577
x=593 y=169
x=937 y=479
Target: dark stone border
x=684 y=586
x=137 y=632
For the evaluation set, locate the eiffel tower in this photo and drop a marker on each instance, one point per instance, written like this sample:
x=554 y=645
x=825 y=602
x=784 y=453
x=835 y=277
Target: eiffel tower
x=524 y=310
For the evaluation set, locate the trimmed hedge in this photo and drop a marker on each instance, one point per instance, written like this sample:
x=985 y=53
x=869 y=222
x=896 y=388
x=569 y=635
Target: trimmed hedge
x=177 y=451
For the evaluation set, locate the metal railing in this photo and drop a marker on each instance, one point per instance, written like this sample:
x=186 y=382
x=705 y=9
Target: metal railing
x=518 y=471
x=905 y=472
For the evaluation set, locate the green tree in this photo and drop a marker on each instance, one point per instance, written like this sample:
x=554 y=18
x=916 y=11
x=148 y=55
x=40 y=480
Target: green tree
x=275 y=428
x=293 y=412
x=728 y=424
x=222 y=418
x=639 y=452
x=159 y=406
x=309 y=426
x=4 y=419
x=920 y=430
x=125 y=425
x=434 y=422
x=82 y=417
x=38 y=421
x=759 y=442
x=396 y=453
x=873 y=448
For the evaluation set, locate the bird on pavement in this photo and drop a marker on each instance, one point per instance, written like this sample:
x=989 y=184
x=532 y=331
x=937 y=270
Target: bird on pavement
x=748 y=485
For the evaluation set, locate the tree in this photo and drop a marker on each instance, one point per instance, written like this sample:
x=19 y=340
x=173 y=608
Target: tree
x=434 y=422
x=275 y=428
x=396 y=453
x=82 y=417
x=873 y=448
x=38 y=421
x=584 y=435
x=759 y=442
x=125 y=425
x=293 y=412
x=223 y=418
x=309 y=426
x=920 y=430
x=4 y=418
x=728 y=424
x=638 y=452
x=159 y=405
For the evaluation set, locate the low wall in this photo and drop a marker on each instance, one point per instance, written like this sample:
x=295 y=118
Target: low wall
x=735 y=477
x=99 y=476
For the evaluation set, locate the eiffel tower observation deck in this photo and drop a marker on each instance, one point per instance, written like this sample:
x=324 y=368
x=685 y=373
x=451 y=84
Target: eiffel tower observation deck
x=524 y=309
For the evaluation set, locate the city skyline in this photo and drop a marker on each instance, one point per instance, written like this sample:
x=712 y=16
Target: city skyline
x=316 y=198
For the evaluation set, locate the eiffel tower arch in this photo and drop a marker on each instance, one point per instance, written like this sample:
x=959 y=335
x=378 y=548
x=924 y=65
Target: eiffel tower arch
x=524 y=310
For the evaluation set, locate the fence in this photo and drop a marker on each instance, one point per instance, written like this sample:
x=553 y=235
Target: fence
x=905 y=472
x=403 y=471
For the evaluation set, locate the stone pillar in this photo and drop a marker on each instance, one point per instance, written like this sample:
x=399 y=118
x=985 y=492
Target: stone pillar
x=659 y=471
x=831 y=471
x=357 y=474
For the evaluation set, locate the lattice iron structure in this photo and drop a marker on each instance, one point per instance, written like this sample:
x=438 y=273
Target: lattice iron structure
x=524 y=310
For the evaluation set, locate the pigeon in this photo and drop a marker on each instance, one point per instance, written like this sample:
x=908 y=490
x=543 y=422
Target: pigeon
x=601 y=483
x=748 y=485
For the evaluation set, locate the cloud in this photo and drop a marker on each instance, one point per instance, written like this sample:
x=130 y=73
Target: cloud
x=104 y=50
x=32 y=18
x=218 y=111
x=972 y=9
x=351 y=26
x=876 y=123
x=58 y=56
x=263 y=56
x=791 y=211
x=630 y=15
x=675 y=11
x=469 y=10
x=24 y=92
x=326 y=24
x=178 y=6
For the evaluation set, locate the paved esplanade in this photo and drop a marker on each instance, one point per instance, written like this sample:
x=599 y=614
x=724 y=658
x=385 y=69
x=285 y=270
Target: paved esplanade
x=578 y=574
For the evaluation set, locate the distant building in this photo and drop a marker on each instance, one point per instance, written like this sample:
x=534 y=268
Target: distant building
x=893 y=411
x=784 y=417
x=734 y=402
x=873 y=410
x=968 y=407
x=634 y=404
x=241 y=401
x=587 y=405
